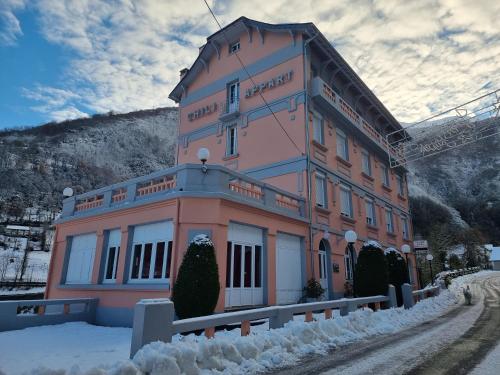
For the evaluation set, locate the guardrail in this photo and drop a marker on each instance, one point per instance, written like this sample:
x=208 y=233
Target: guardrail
x=184 y=180
x=154 y=319
x=410 y=296
x=30 y=313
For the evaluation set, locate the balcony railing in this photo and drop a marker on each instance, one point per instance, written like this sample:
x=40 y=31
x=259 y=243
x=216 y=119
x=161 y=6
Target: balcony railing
x=181 y=181
x=325 y=92
x=229 y=111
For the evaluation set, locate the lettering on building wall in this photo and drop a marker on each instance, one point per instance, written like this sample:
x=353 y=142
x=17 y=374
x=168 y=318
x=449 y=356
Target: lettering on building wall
x=211 y=108
x=273 y=82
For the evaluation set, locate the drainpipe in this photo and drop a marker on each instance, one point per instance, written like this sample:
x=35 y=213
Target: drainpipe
x=308 y=153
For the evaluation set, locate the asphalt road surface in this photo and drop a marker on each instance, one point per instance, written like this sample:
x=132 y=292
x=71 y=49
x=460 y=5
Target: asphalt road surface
x=455 y=343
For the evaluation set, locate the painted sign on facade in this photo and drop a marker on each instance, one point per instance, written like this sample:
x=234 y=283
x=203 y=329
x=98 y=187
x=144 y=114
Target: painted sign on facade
x=273 y=82
x=211 y=108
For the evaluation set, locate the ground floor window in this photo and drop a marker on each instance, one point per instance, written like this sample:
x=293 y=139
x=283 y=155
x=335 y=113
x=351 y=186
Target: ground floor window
x=112 y=255
x=151 y=261
x=244 y=265
x=349 y=263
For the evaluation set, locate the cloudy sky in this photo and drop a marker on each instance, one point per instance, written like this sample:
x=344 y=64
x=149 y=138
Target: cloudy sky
x=66 y=59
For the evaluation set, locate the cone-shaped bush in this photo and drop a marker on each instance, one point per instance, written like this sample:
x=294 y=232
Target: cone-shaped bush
x=398 y=272
x=196 y=289
x=370 y=273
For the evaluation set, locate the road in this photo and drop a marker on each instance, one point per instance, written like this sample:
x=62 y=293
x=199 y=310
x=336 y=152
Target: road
x=455 y=343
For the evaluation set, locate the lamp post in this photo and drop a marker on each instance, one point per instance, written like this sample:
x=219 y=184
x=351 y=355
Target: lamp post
x=351 y=237
x=406 y=250
x=429 y=258
x=203 y=155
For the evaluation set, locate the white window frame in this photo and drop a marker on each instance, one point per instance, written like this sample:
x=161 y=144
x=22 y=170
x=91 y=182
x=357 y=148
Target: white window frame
x=321 y=198
x=366 y=166
x=234 y=47
x=318 y=129
x=371 y=217
x=342 y=145
x=253 y=267
x=346 y=189
x=406 y=227
x=386 y=181
x=112 y=279
x=348 y=265
x=232 y=140
x=150 y=279
x=389 y=220
x=233 y=101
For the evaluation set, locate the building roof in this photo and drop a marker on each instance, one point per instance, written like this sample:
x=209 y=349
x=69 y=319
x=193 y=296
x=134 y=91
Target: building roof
x=244 y=24
x=495 y=254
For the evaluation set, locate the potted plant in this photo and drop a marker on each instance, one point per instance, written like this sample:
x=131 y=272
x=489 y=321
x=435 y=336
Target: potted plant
x=313 y=290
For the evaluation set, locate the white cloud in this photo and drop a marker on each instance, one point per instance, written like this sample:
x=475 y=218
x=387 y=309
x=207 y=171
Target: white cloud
x=417 y=56
x=10 y=28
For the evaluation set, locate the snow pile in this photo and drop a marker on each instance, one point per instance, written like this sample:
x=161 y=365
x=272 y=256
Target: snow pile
x=202 y=239
x=228 y=352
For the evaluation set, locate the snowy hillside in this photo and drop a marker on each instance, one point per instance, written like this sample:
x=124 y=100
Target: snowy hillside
x=36 y=164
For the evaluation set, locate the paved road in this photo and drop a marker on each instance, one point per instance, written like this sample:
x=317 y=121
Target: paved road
x=451 y=344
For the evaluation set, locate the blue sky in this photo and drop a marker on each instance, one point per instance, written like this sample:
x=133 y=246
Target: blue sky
x=66 y=59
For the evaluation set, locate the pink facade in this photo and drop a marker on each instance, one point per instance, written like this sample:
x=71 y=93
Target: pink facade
x=300 y=165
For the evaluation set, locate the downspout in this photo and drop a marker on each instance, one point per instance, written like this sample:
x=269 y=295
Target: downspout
x=308 y=154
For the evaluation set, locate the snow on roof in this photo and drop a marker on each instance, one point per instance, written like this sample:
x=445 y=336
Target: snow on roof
x=17 y=227
x=202 y=239
x=373 y=244
x=495 y=253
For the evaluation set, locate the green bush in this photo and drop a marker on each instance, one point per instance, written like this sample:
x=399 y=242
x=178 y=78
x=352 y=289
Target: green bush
x=197 y=287
x=313 y=289
x=370 y=273
x=397 y=272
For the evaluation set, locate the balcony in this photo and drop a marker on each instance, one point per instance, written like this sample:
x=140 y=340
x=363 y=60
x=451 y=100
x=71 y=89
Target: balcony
x=186 y=180
x=330 y=100
x=229 y=111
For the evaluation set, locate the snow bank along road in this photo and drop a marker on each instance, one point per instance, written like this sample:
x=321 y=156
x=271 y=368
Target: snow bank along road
x=383 y=342
x=454 y=343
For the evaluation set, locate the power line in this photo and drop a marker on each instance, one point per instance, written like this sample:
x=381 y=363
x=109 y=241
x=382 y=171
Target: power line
x=251 y=79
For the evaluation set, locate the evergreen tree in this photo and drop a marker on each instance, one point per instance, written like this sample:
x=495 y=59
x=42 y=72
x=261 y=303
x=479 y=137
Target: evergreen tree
x=370 y=273
x=196 y=289
x=397 y=271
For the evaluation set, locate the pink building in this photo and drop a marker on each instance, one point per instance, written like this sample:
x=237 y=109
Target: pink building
x=298 y=157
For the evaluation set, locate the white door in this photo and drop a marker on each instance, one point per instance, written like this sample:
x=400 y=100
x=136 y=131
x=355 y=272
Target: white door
x=81 y=259
x=289 y=281
x=323 y=276
x=244 y=266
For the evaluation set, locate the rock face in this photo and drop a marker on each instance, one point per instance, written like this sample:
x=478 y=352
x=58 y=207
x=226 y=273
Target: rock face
x=37 y=163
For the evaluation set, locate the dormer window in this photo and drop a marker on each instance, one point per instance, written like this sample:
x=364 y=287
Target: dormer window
x=235 y=47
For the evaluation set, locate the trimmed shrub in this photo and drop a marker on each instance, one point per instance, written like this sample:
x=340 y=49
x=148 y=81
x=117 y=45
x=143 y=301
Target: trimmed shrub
x=397 y=271
x=370 y=273
x=197 y=287
x=313 y=289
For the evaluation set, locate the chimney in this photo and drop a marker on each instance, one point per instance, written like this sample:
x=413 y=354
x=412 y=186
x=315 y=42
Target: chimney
x=183 y=72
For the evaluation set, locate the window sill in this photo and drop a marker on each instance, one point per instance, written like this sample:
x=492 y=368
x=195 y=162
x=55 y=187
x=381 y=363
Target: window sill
x=401 y=197
x=343 y=161
x=386 y=188
x=367 y=176
x=322 y=210
x=372 y=227
x=110 y=286
x=347 y=219
x=230 y=157
x=320 y=146
x=392 y=234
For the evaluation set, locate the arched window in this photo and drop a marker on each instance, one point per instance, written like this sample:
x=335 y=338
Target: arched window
x=322 y=259
x=410 y=271
x=349 y=262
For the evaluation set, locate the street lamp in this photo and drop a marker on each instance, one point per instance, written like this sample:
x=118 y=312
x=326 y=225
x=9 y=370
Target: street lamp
x=350 y=236
x=406 y=249
x=429 y=258
x=203 y=155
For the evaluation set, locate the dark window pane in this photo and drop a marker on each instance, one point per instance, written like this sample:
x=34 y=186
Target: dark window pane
x=169 y=259
x=146 y=261
x=320 y=267
x=116 y=261
x=160 y=252
x=237 y=267
x=136 y=260
x=228 y=265
x=111 y=261
x=258 y=266
x=248 y=267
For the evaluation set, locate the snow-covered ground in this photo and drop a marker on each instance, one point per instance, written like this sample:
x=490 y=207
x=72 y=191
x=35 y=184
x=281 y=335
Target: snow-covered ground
x=80 y=348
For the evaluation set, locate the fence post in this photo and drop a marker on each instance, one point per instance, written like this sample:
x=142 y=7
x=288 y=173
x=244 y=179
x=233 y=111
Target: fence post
x=391 y=293
x=152 y=322
x=283 y=315
x=407 y=292
x=91 y=310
